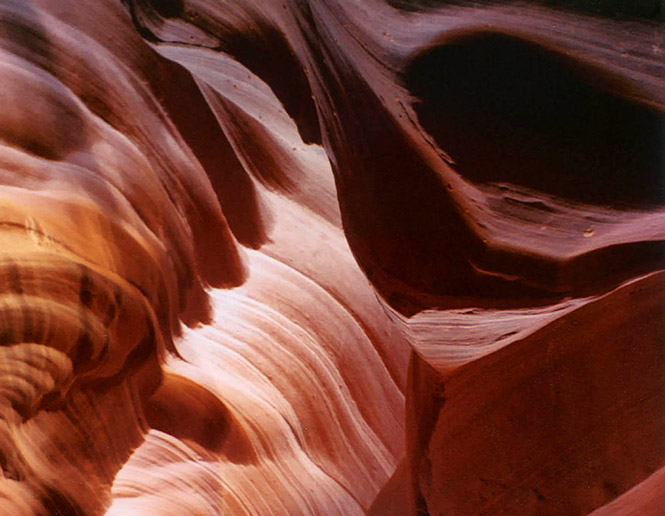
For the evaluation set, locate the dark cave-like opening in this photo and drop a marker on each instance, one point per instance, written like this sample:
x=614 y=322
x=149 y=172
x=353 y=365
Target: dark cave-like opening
x=513 y=111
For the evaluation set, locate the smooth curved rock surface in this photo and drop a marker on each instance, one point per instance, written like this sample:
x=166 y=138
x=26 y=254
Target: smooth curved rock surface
x=331 y=257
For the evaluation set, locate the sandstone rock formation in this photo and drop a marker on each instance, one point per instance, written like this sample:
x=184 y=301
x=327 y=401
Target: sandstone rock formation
x=331 y=257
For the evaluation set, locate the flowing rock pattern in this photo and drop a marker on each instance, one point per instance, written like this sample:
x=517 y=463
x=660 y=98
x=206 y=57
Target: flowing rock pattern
x=332 y=257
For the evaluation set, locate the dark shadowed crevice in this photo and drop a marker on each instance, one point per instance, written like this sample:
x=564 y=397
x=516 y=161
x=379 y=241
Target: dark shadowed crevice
x=268 y=54
x=512 y=111
x=59 y=504
x=198 y=126
x=645 y=9
x=265 y=51
x=402 y=226
x=168 y=8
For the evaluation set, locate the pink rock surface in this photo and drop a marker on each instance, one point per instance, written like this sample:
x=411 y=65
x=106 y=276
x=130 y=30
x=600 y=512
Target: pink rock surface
x=330 y=257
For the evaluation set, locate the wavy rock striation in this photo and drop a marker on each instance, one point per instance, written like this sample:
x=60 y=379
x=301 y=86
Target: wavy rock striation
x=331 y=257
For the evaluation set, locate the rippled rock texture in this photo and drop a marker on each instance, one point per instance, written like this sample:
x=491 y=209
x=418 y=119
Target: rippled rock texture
x=332 y=257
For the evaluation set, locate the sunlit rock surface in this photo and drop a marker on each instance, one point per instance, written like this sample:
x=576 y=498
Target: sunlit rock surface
x=332 y=257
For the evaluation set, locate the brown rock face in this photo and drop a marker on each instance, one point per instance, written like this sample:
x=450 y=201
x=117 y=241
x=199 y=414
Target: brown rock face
x=332 y=257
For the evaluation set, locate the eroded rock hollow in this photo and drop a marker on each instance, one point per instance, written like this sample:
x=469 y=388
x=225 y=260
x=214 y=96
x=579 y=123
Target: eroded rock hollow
x=332 y=257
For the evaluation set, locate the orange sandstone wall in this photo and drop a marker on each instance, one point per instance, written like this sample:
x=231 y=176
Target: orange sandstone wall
x=331 y=257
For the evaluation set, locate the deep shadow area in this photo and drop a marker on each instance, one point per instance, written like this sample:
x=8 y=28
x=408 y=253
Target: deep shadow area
x=646 y=9
x=168 y=8
x=268 y=54
x=510 y=110
x=197 y=124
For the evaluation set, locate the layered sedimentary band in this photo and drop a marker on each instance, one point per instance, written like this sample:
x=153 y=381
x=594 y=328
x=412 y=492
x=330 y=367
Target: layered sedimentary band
x=331 y=257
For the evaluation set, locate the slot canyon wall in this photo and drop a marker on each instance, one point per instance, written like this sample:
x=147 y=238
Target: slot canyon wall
x=332 y=257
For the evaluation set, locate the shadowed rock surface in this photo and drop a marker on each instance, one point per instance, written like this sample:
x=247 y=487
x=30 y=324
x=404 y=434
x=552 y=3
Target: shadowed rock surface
x=332 y=257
